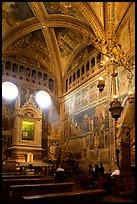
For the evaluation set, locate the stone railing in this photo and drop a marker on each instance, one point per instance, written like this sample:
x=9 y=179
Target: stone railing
x=81 y=73
x=14 y=69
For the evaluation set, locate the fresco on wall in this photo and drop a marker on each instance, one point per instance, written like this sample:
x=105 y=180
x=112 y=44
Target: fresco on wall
x=92 y=119
x=5 y=118
x=69 y=106
x=76 y=147
x=132 y=146
x=122 y=83
x=83 y=99
x=93 y=92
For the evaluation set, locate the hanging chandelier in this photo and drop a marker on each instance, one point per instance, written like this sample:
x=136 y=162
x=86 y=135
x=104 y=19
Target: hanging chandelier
x=112 y=56
x=115 y=108
x=101 y=84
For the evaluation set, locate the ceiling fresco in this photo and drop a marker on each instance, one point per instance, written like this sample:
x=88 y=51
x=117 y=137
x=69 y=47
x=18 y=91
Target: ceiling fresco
x=65 y=8
x=68 y=40
x=33 y=43
x=15 y=12
x=58 y=35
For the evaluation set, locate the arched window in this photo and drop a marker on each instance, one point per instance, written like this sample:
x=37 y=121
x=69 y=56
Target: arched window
x=39 y=75
x=82 y=70
x=15 y=70
x=78 y=73
x=87 y=66
x=66 y=85
x=51 y=85
x=45 y=77
x=27 y=74
x=93 y=62
x=34 y=74
x=7 y=68
x=74 y=77
x=98 y=57
x=21 y=71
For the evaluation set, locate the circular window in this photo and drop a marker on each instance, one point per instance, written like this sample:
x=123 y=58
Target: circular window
x=43 y=99
x=9 y=90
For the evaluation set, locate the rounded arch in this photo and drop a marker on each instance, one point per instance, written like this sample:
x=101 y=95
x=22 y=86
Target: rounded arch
x=33 y=24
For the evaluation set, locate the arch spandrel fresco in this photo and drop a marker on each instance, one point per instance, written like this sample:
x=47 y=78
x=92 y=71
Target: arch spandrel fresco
x=68 y=40
x=34 y=43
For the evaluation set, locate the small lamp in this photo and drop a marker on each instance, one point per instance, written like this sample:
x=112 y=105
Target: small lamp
x=101 y=84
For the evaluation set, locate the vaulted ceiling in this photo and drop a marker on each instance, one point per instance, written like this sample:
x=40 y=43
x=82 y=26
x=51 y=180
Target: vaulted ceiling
x=57 y=33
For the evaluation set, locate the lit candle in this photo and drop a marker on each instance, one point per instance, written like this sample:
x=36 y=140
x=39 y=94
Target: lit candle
x=115 y=96
x=100 y=79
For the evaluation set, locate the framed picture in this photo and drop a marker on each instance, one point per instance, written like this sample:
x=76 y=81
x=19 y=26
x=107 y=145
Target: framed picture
x=25 y=134
x=27 y=130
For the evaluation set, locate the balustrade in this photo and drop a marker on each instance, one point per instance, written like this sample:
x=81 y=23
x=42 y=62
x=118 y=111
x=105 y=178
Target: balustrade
x=88 y=68
x=23 y=72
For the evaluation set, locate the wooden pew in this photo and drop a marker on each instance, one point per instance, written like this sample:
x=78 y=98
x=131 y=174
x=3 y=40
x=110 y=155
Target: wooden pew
x=21 y=181
x=6 y=183
x=80 y=196
x=17 y=191
x=102 y=179
x=124 y=186
x=94 y=182
x=20 y=176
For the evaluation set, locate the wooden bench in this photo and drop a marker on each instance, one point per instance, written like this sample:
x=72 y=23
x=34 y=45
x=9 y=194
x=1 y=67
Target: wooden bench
x=124 y=186
x=94 y=183
x=17 y=191
x=20 y=181
x=102 y=179
x=20 y=176
x=80 y=196
x=6 y=183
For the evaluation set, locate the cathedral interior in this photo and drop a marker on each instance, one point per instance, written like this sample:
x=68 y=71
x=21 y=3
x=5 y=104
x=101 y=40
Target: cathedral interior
x=82 y=55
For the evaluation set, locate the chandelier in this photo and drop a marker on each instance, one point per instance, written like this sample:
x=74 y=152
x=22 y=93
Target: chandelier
x=112 y=56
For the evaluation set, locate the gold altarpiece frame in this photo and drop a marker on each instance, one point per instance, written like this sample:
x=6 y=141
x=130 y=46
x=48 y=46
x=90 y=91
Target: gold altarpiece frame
x=27 y=131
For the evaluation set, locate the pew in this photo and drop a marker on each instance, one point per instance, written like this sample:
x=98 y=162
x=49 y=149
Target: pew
x=17 y=191
x=20 y=176
x=92 y=182
x=8 y=182
x=80 y=196
x=102 y=179
x=124 y=186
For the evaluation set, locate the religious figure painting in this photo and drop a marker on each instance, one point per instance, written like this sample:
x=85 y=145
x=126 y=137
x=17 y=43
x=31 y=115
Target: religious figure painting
x=27 y=130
